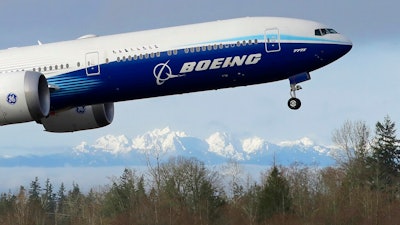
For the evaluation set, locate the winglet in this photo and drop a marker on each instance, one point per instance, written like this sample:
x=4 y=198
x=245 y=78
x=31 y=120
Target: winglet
x=39 y=42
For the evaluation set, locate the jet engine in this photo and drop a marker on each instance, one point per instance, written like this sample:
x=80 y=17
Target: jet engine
x=80 y=118
x=24 y=97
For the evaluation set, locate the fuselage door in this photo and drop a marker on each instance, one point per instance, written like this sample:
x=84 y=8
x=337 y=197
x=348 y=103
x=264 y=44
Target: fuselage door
x=92 y=64
x=272 y=40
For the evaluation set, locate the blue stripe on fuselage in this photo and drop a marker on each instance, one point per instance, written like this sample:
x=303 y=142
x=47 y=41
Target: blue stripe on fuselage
x=126 y=80
x=283 y=38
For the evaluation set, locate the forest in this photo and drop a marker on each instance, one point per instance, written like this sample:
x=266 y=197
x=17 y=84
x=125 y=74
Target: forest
x=363 y=188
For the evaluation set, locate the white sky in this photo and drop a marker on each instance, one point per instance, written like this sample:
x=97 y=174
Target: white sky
x=363 y=85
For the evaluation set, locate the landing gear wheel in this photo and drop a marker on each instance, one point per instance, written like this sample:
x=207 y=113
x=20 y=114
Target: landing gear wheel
x=294 y=103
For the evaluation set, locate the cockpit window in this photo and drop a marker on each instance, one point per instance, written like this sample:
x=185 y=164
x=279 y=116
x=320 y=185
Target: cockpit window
x=331 y=31
x=324 y=31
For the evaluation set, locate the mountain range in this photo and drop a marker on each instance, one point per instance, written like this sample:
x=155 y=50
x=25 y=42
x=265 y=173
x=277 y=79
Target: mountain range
x=161 y=144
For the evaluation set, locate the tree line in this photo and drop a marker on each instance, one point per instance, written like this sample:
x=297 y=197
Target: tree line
x=363 y=188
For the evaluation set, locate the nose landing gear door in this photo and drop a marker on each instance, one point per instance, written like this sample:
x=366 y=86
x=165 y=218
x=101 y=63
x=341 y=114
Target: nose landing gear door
x=272 y=40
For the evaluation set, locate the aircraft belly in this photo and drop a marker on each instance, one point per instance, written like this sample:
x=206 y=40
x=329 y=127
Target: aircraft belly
x=185 y=72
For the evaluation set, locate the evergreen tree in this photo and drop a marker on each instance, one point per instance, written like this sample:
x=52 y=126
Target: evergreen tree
x=34 y=191
x=7 y=202
x=49 y=198
x=141 y=192
x=61 y=206
x=386 y=154
x=35 y=206
x=61 y=198
x=120 y=198
x=74 y=203
x=275 y=197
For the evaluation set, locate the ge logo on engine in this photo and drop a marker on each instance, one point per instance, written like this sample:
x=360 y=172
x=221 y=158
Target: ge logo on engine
x=81 y=109
x=12 y=98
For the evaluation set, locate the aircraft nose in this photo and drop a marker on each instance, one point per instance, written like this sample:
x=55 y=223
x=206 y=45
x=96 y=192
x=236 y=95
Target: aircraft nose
x=346 y=43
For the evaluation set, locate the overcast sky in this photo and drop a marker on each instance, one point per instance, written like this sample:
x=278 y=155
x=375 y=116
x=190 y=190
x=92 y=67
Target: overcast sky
x=363 y=85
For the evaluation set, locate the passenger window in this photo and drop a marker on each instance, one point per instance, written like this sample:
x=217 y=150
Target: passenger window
x=175 y=52
x=67 y=66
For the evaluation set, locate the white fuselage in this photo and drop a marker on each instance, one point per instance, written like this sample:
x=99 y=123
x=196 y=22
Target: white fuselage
x=228 y=53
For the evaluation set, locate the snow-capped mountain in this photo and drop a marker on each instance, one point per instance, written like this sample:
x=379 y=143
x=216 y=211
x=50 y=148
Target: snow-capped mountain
x=161 y=140
x=160 y=144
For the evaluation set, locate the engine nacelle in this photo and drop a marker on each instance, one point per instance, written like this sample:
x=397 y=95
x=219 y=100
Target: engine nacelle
x=80 y=118
x=24 y=97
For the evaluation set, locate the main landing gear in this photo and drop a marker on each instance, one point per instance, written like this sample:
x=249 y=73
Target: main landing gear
x=295 y=103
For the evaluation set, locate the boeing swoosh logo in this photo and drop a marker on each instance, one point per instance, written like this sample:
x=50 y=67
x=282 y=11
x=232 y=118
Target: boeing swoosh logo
x=162 y=72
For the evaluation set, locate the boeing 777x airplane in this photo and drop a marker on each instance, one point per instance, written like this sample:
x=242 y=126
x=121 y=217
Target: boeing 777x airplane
x=72 y=85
